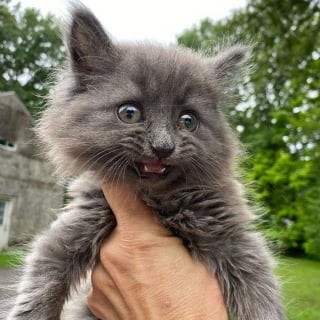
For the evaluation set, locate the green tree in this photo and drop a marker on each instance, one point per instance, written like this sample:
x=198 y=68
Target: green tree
x=29 y=49
x=279 y=119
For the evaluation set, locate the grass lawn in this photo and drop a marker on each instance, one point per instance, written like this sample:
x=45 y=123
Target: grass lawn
x=300 y=278
x=11 y=258
x=301 y=288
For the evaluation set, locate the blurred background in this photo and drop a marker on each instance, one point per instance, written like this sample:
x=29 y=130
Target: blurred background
x=277 y=117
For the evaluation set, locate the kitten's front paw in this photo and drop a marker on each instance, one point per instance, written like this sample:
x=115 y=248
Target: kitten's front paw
x=192 y=229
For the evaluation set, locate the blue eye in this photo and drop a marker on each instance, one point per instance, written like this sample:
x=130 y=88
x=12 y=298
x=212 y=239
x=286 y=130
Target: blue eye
x=129 y=113
x=188 y=121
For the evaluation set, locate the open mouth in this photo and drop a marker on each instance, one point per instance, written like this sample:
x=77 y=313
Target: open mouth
x=152 y=170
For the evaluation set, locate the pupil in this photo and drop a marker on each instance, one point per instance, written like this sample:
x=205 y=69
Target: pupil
x=130 y=113
x=187 y=122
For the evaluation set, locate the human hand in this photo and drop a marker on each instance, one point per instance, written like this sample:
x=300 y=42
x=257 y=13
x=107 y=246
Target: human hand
x=145 y=273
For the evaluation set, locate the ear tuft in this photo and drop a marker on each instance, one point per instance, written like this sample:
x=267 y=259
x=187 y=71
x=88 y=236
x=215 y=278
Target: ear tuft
x=230 y=63
x=91 y=50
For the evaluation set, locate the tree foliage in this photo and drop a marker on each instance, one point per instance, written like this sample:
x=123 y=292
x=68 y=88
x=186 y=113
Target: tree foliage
x=29 y=49
x=279 y=119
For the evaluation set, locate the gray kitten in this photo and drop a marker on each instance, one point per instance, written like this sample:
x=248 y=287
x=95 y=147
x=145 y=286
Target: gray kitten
x=150 y=116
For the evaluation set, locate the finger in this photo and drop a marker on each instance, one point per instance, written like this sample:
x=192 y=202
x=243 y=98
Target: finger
x=100 y=306
x=131 y=213
x=105 y=296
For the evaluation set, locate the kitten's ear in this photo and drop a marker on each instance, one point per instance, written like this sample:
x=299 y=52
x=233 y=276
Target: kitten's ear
x=230 y=64
x=91 y=50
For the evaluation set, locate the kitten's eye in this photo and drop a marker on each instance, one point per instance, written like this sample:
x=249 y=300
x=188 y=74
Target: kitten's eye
x=188 y=121
x=129 y=113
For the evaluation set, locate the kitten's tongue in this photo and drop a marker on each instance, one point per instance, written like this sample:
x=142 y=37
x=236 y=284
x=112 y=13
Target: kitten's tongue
x=152 y=167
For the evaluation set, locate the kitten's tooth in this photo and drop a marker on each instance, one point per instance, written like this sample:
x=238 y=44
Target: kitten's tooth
x=154 y=168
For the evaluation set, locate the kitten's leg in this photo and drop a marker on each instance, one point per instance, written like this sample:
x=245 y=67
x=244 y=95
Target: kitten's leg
x=60 y=257
x=76 y=307
x=237 y=255
x=251 y=290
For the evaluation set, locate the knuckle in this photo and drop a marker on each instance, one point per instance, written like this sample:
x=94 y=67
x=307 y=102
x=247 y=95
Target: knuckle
x=109 y=253
x=113 y=259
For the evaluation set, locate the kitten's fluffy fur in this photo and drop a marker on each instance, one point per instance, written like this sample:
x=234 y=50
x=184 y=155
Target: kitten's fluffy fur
x=199 y=199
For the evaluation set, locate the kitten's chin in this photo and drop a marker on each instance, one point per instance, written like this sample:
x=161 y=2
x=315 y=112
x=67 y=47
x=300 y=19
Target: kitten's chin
x=156 y=185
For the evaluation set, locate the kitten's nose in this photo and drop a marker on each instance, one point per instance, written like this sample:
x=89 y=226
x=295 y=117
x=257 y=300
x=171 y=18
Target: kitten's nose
x=163 y=152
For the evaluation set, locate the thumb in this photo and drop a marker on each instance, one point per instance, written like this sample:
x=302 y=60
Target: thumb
x=131 y=213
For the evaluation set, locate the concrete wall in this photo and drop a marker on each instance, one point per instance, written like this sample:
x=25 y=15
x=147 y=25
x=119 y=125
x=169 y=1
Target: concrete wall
x=26 y=179
x=29 y=185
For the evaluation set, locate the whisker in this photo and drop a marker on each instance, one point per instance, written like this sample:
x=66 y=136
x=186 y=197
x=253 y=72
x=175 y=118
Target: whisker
x=102 y=154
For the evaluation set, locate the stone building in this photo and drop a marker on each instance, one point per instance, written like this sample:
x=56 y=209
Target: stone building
x=28 y=190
